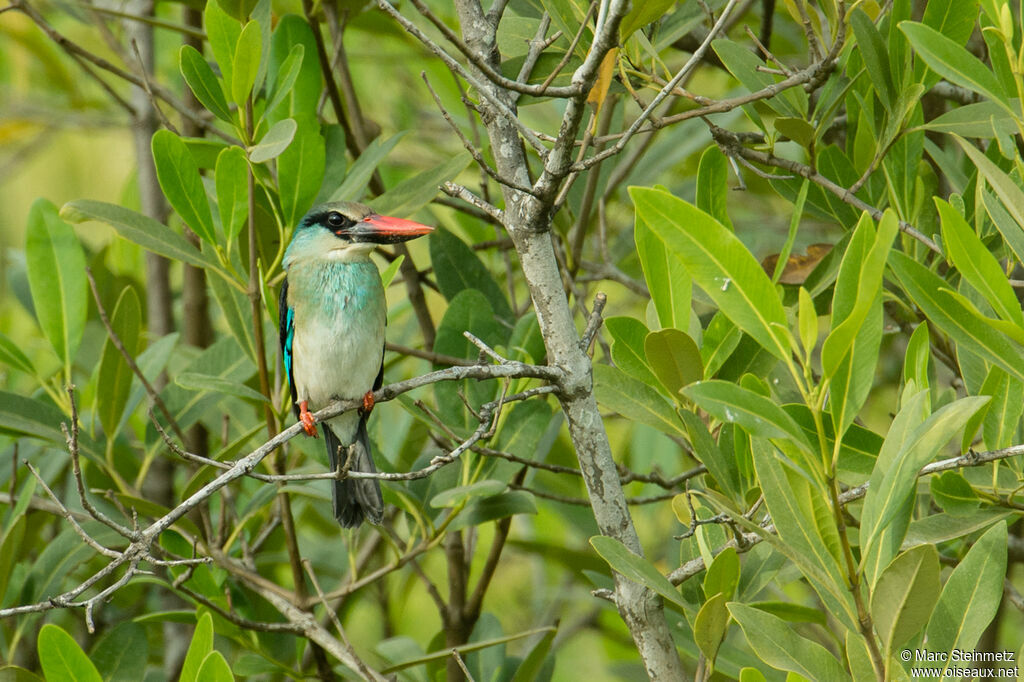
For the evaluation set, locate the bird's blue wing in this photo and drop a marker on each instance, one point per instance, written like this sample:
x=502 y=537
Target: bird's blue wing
x=286 y=329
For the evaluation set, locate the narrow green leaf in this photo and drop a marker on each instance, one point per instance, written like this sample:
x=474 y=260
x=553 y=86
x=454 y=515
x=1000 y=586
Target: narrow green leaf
x=720 y=465
x=634 y=400
x=62 y=658
x=56 y=276
x=972 y=120
x=194 y=381
x=641 y=14
x=199 y=648
x=904 y=596
x=530 y=668
x=858 y=286
x=179 y=179
x=454 y=496
x=359 y=174
x=222 y=32
x=720 y=264
x=780 y=647
x=275 y=141
x=1009 y=193
x=231 y=179
x=951 y=316
x=976 y=264
x=871 y=48
x=412 y=194
x=203 y=82
x=712 y=185
x=674 y=358
x=637 y=569
x=481 y=510
x=807 y=321
x=283 y=86
x=953 y=494
x=245 y=63
x=11 y=355
x=114 y=377
x=300 y=170
x=952 y=61
x=971 y=595
x=758 y=415
x=667 y=281
x=140 y=229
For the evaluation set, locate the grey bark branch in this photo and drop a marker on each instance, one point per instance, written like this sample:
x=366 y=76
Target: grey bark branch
x=527 y=219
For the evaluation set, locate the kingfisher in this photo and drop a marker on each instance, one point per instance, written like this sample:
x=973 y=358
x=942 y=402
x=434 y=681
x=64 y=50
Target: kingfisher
x=332 y=318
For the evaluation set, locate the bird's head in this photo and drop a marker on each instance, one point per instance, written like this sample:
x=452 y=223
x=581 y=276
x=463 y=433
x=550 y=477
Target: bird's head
x=347 y=231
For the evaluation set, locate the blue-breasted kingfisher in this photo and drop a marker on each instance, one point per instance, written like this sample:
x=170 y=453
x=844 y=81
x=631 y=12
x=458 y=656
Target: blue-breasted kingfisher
x=332 y=318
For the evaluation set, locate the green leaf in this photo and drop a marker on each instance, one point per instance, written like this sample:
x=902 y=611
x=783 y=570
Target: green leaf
x=12 y=673
x=194 y=381
x=1011 y=195
x=56 y=277
x=777 y=645
x=114 y=377
x=758 y=415
x=907 y=448
x=198 y=649
x=976 y=263
x=533 y=662
x=720 y=264
x=122 y=654
x=746 y=67
x=294 y=75
x=203 y=82
x=637 y=569
x=858 y=286
x=231 y=179
x=641 y=14
x=952 y=61
x=245 y=63
x=1011 y=232
x=361 y=171
x=215 y=668
x=928 y=291
x=713 y=186
x=942 y=527
x=412 y=194
x=871 y=48
x=179 y=179
x=26 y=416
x=723 y=574
x=915 y=360
x=11 y=355
x=458 y=267
x=300 y=170
x=283 y=86
x=904 y=596
x=222 y=33
x=667 y=281
x=792 y=613
x=807 y=321
x=481 y=510
x=710 y=626
x=720 y=465
x=62 y=659
x=953 y=494
x=972 y=120
x=634 y=400
x=455 y=496
x=971 y=595
x=140 y=229
x=674 y=358
x=628 y=334
x=275 y=141
x=237 y=314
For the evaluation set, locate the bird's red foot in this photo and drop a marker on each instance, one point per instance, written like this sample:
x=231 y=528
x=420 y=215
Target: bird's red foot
x=306 y=417
x=368 y=402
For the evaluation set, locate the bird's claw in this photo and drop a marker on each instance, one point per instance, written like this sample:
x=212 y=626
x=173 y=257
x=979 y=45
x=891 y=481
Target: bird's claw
x=306 y=417
x=368 y=402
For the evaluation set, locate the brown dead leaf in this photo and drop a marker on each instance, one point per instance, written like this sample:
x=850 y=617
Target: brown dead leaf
x=798 y=265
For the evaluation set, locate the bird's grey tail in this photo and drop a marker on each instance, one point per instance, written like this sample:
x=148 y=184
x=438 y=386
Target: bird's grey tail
x=354 y=498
